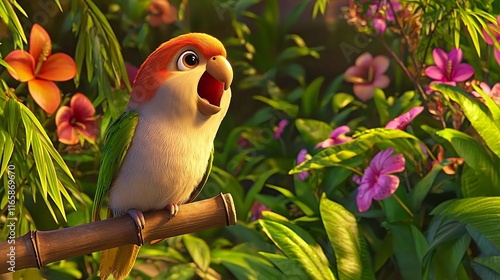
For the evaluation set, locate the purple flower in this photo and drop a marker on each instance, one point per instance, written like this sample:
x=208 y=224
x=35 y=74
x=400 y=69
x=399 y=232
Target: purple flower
x=336 y=137
x=257 y=209
x=278 y=130
x=493 y=93
x=301 y=157
x=377 y=183
x=366 y=74
x=495 y=30
x=448 y=69
x=402 y=122
x=383 y=12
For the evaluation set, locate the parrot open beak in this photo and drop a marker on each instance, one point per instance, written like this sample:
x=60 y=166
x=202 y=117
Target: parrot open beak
x=215 y=80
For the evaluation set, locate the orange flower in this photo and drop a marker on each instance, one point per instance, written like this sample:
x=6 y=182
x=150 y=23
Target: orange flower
x=40 y=68
x=76 y=119
x=161 y=12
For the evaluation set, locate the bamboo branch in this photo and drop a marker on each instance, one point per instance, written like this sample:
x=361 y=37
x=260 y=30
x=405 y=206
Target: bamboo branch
x=38 y=248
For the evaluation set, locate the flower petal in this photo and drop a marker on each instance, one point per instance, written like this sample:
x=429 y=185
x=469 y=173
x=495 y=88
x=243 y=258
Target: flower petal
x=364 y=92
x=378 y=160
x=435 y=73
x=495 y=93
x=363 y=199
x=462 y=72
x=23 y=63
x=302 y=175
x=353 y=73
x=58 y=67
x=455 y=56
x=487 y=37
x=39 y=40
x=46 y=94
x=82 y=107
x=394 y=163
x=440 y=58
x=90 y=131
x=385 y=187
x=339 y=131
x=380 y=64
x=302 y=156
x=63 y=115
x=66 y=134
x=364 y=60
x=325 y=144
x=496 y=53
x=379 y=25
x=381 y=81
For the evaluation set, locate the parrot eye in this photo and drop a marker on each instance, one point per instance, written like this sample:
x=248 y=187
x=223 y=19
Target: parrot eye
x=187 y=61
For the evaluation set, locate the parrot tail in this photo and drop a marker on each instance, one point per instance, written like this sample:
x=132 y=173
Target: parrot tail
x=118 y=261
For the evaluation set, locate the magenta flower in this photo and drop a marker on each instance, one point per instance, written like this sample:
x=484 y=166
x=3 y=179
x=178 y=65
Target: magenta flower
x=402 y=122
x=377 y=183
x=367 y=74
x=301 y=157
x=448 y=69
x=493 y=93
x=336 y=137
x=77 y=119
x=278 y=130
x=257 y=209
x=383 y=13
x=495 y=30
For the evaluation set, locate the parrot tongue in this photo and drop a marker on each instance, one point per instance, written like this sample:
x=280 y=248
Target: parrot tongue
x=210 y=92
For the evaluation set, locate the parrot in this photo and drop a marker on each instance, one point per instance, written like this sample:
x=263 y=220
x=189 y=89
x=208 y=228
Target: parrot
x=158 y=154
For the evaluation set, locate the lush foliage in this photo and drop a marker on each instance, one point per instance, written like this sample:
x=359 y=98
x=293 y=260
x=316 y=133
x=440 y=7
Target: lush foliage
x=363 y=144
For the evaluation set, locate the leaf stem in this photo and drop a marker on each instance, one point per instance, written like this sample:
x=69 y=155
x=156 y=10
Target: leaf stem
x=403 y=205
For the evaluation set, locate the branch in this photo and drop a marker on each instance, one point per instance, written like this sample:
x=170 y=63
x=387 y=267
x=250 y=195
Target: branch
x=38 y=248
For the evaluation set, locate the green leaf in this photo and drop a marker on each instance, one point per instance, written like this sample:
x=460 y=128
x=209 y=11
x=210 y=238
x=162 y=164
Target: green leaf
x=246 y=266
x=199 y=251
x=290 y=268
x=295 y=200
x=479 y=213
x=408 y=244
x=476 y=113
x=490 y=262
x=351 y=253
x=476 y=157
x=382 y=106
x=423 y=186
x=290 y=109
x=448 y=257
x=340 y=100
x=256 y=188
x=310 y=100
x=297 y=249
x=313 y=131
x=363 y=142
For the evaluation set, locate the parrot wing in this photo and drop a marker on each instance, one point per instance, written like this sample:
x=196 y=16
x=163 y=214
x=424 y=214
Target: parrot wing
x=204 y=180
x=116 y=143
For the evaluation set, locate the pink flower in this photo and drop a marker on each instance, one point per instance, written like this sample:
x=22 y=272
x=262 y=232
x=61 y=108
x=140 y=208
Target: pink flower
x=383 y=12
x=493 y=93
x=161 y=12
x=257 y=209
x=402 y=122
x=278 y=130
x=336 y=137
x=77 y=119
x=377 y=183
x=448 y=69
x=495 y=30
x=301 y=157
x=366 y=74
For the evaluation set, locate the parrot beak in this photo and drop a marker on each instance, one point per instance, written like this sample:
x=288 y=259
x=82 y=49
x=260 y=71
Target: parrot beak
x=215 y=80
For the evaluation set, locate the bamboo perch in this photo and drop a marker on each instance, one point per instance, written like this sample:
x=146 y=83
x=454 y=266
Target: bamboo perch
x=38 y=248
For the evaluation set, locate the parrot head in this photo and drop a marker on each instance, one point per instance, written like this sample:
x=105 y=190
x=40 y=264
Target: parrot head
x=188 y=75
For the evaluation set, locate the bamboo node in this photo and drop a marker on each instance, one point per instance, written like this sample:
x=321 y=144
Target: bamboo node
x=34 y=244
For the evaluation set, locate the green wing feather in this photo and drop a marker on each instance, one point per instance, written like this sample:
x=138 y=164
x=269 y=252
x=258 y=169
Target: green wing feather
x=204 y=180
x=116 y=143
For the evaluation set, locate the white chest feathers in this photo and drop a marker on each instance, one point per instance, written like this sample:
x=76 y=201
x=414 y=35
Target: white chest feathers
x=163 y=165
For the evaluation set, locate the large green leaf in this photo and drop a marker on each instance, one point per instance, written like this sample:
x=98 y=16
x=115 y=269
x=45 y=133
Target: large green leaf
x=313 y=131
x=281 y=105
x=310 y=97
x=297 y=249
x=199 y=251
x=476 y=157
x=290 y=268
x=363 y=142
x=476 y=113
x=423 y=186
x=351 y=253
x=479 y=213
x=245 y=265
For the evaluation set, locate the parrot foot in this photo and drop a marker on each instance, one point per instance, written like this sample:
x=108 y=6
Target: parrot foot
x=140 y=222
x=173 y=209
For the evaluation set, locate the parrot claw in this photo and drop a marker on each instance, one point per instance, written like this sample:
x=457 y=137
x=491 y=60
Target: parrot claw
x=140 y=222
x=173 y=209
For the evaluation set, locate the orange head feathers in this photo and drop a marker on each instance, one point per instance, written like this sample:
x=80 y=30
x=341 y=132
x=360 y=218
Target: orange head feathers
x=155 y=68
